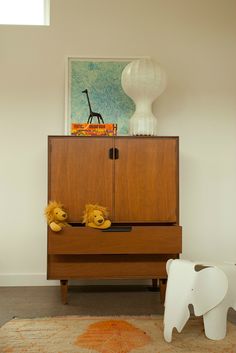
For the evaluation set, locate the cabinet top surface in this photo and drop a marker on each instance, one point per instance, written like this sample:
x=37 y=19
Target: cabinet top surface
x=111 y=137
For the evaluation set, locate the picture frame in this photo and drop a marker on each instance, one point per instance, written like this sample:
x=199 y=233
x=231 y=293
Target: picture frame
x=101 y=77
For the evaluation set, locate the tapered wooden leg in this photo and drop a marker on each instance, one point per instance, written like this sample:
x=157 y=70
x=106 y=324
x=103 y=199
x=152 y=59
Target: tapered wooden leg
x=64 y=291
x=162 y=285
x=154 y=284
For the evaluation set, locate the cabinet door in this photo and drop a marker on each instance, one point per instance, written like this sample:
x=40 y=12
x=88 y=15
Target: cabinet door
x=146 y=180
x=80 y=172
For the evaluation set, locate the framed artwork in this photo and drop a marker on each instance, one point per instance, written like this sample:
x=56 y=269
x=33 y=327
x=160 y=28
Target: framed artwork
x=94 y=93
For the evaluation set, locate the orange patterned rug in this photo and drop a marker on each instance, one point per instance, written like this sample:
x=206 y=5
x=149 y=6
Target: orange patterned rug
x=75 y=334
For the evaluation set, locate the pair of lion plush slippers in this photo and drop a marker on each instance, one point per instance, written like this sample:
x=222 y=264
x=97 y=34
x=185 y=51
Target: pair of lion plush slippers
x=95 y=216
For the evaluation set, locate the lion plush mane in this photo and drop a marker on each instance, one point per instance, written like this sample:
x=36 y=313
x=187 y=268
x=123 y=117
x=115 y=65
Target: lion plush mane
x=56 y=216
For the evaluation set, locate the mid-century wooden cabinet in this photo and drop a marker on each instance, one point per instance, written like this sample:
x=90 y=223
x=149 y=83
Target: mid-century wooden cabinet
x=137 y=179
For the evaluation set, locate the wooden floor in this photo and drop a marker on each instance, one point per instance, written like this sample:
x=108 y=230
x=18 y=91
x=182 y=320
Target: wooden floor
x=31 y=302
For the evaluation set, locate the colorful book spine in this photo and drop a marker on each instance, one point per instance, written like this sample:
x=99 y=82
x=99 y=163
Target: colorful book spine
x=93 y=129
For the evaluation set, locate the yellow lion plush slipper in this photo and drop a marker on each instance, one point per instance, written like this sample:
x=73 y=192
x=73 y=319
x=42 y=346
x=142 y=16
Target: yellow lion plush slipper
x=95 y=216
x=56 y=216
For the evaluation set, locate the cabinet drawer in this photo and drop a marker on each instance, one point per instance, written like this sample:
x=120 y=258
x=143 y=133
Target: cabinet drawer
x=140 y=240
x=125 y=266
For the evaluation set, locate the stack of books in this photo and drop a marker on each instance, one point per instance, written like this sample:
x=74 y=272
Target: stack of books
x=93 y=129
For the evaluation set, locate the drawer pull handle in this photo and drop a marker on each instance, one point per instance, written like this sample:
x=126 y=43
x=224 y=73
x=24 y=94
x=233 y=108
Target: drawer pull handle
x=118 y=229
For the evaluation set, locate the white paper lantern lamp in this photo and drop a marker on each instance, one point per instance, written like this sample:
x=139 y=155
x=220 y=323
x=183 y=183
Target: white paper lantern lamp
x=143 y=81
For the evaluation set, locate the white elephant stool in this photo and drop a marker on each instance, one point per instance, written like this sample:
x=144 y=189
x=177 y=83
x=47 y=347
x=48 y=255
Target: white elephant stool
x=211 y=289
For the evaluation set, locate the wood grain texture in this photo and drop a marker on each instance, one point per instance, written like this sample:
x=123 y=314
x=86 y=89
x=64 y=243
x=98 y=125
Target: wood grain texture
x=146 y=185
x=107 y=266
x=80 y=172
x=64 y=291
x=162 y=286
x=141 y=240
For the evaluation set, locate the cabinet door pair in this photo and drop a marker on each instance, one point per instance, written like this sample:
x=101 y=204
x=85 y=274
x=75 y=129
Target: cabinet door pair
x=138 y=183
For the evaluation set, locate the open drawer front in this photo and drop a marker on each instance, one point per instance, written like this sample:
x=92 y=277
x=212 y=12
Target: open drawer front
x=140 y=240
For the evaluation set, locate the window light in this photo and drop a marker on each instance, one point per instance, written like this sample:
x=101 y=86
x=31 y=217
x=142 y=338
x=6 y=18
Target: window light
x=24 y=12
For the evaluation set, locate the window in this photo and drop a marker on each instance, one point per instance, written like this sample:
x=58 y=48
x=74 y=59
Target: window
x=24 y=12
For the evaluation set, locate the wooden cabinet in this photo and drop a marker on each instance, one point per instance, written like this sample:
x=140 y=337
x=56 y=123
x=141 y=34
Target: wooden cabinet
x=80 y=172
x=146 y=180
x=137 y=179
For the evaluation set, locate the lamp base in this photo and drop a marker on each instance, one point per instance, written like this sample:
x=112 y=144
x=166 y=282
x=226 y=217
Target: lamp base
x=143 y=126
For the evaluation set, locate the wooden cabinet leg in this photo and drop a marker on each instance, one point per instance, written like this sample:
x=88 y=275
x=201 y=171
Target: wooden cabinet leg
x=64 y=291
x=154 y=284
x=162 y=285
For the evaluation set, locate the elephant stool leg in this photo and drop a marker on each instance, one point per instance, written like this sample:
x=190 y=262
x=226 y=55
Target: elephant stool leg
x=215 y=323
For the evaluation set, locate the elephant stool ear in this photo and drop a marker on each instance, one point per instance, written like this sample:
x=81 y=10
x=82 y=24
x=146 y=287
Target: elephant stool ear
x=209 y=289
x=168 y=265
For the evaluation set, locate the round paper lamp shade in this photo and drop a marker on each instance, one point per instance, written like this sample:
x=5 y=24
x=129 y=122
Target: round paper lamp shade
x=143 y=81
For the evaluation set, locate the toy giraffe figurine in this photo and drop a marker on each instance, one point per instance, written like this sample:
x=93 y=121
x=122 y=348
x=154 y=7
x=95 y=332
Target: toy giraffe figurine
x=91 y=113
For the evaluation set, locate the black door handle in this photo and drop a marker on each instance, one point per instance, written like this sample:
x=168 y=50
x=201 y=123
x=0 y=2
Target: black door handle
x=111 y=153
x=116 y=153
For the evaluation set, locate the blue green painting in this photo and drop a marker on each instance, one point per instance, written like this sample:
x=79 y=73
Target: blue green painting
x=102 y=80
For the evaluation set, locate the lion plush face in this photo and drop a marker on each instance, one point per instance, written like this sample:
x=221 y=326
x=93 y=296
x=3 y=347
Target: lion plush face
x=54 y=212
x=95 y=214
x=97 y=217
x=59 y=214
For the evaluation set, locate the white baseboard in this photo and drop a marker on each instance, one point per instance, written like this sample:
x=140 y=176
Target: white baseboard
x=25 y=280
x=39 y=279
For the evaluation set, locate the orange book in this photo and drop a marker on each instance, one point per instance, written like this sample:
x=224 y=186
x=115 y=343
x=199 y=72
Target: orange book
x=93 y=129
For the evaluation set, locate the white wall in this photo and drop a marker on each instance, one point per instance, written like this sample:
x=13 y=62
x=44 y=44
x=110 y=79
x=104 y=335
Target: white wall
x=195 y=40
